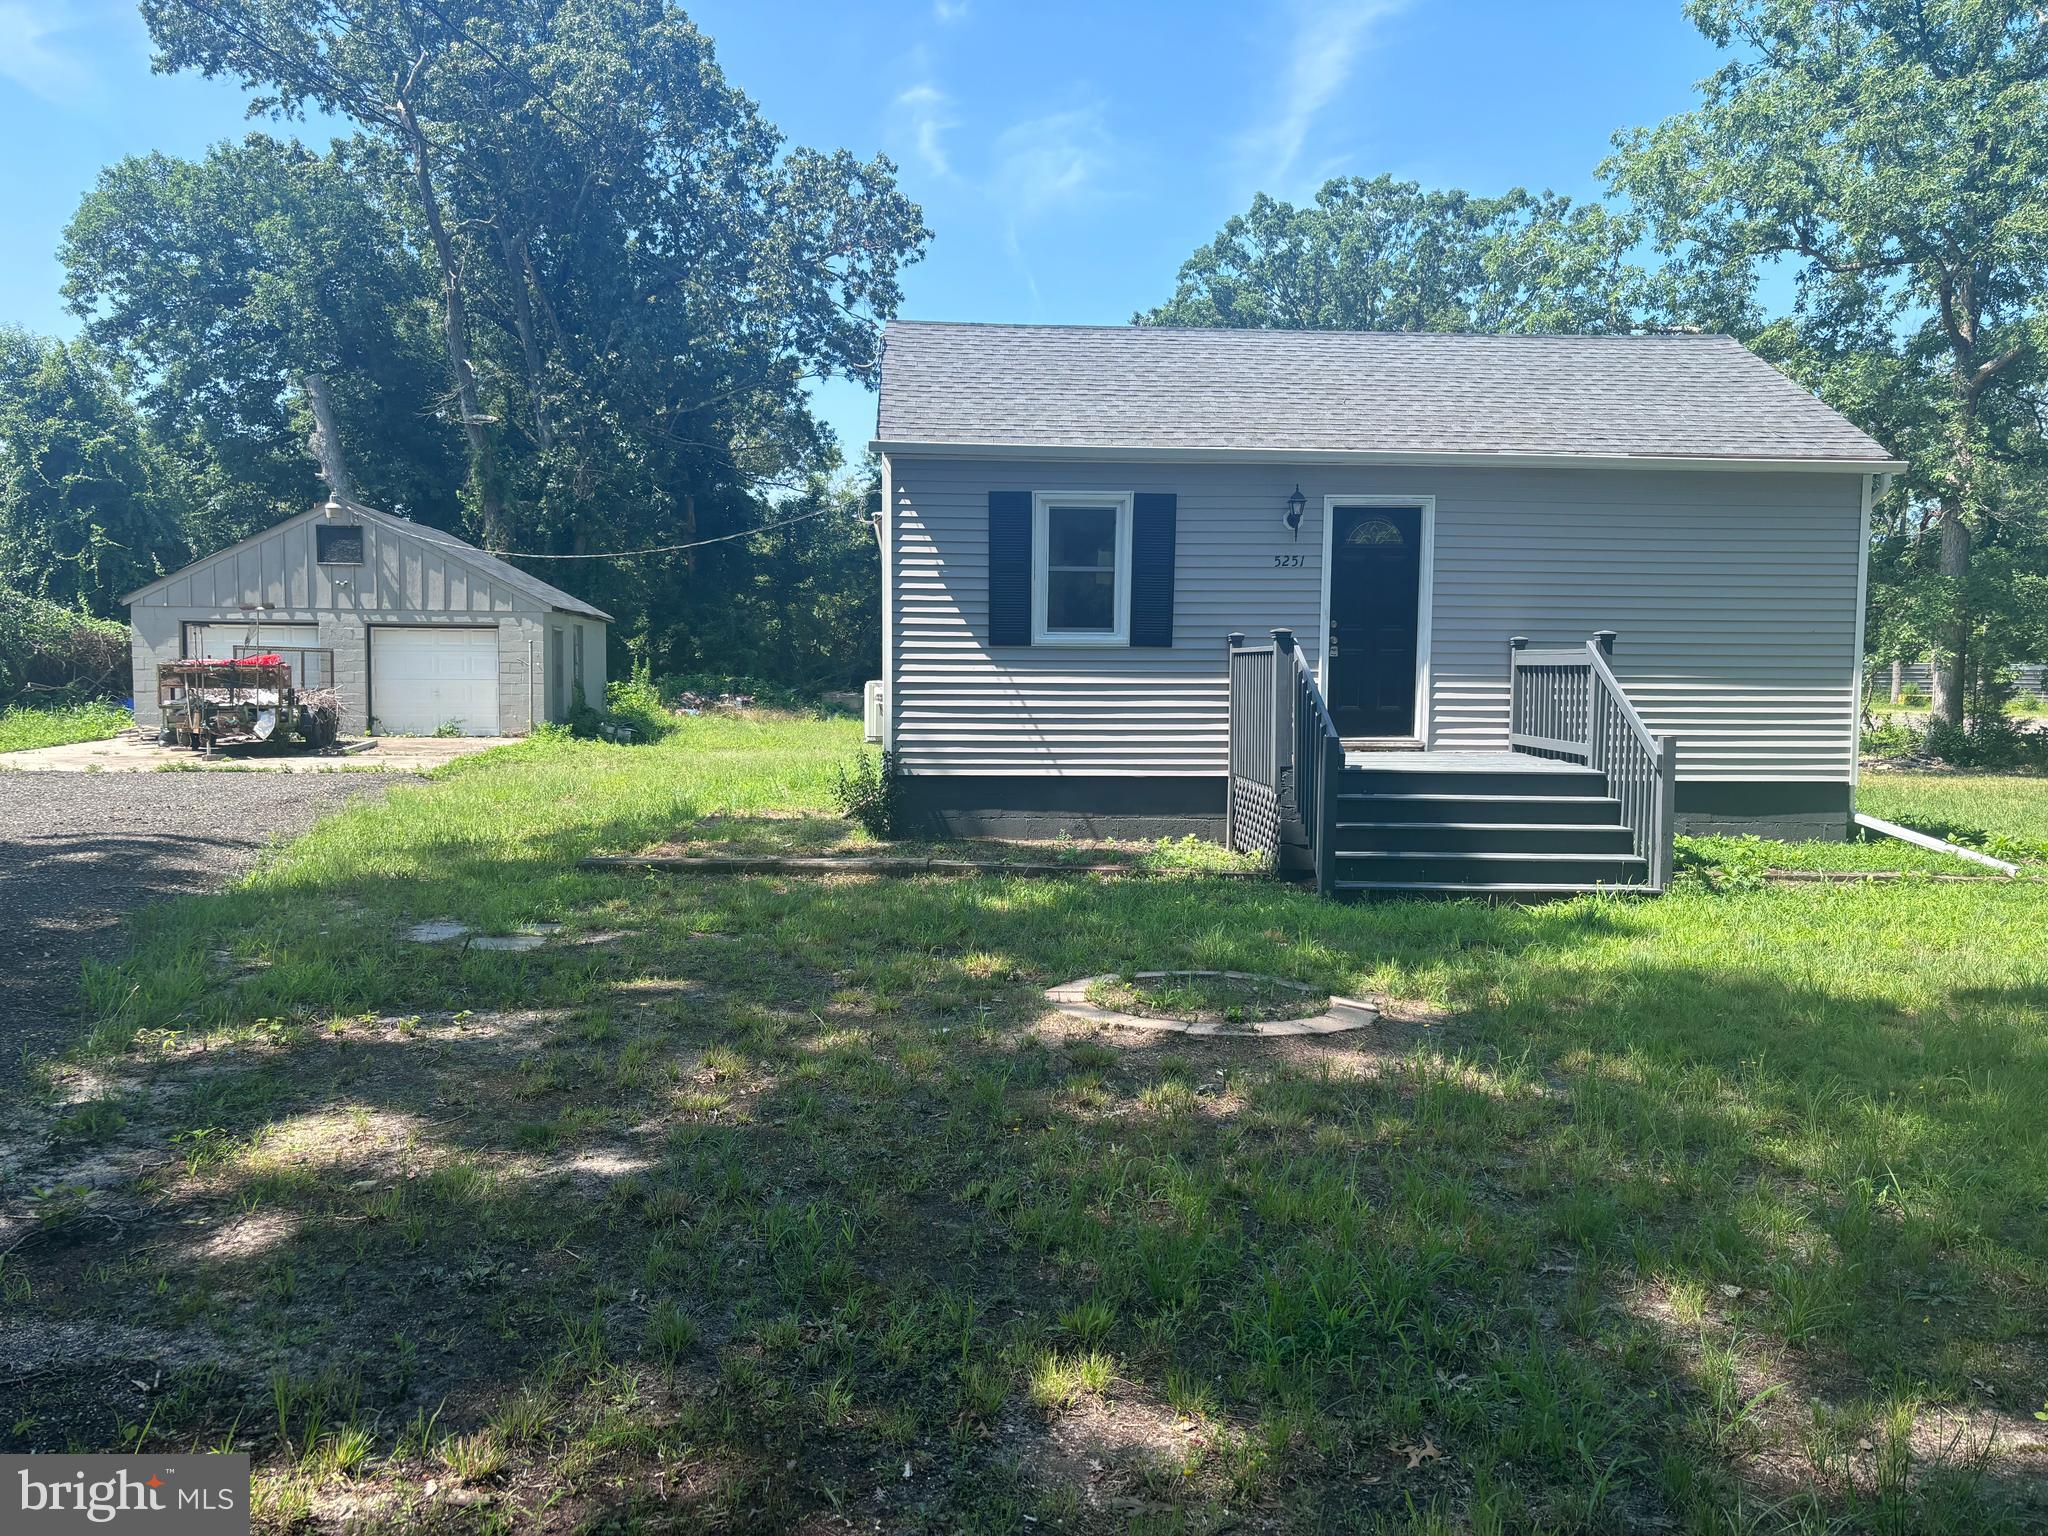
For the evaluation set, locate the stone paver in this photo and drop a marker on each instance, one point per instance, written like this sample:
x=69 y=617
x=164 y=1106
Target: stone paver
x=1341 y=1015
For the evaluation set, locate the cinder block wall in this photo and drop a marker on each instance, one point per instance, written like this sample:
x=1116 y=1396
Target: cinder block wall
x=522 y=668
x=349 y=638
x=152 y=638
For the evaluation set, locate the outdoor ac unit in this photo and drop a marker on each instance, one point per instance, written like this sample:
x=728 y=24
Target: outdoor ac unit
x=874 y=704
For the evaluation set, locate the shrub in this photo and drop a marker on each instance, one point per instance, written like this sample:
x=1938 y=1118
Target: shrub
x=1991 y=739
x=47 y=649
x=1889 y=736
x=1988 y=739
x=583 y=721
x=871 y=793
x=636 y=702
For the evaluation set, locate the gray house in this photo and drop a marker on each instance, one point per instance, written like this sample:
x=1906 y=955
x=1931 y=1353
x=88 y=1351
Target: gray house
x=1508 y=574
x=416 y=630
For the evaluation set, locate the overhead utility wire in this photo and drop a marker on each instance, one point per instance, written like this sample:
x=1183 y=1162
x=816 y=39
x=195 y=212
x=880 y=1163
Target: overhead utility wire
x=667 y=549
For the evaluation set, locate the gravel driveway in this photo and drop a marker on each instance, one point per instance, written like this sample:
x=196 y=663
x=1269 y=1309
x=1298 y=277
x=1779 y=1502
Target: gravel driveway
x=78 y=850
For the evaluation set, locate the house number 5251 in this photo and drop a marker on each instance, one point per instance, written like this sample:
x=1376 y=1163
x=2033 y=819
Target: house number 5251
x=1289 y=562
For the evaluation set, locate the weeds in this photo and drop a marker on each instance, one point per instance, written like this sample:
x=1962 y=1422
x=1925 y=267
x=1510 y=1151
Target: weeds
x=870 y=792
x=24 y=728
x=1621 y=1204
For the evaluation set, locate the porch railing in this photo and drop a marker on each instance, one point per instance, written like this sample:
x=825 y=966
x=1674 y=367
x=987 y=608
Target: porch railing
x=1564 y=702
x=1286 y=760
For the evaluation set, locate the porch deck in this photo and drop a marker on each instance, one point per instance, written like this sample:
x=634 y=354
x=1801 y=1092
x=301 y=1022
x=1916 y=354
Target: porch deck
x=1456 y=760
x=1579 y=801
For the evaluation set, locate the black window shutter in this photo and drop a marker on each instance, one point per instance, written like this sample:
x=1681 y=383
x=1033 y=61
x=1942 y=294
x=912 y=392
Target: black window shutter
x=1153 y=516
x=1009 y=567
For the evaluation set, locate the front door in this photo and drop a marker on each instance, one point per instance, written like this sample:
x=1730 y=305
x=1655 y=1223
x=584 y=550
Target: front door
x=1375 y=580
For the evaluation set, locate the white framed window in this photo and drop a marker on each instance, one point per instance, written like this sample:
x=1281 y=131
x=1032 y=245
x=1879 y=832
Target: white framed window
x=1080 y=568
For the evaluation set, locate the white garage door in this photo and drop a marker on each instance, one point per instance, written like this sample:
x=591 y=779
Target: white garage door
x=217 y=642
x=424 y=679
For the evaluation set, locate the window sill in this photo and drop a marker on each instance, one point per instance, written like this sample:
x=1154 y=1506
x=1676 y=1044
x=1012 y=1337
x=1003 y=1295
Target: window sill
x=1101 y=641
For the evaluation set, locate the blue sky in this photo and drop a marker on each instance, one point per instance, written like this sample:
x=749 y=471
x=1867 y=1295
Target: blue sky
x=1068 y=157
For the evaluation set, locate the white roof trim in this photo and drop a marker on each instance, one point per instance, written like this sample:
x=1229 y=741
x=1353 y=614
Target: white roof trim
x=1138 y=454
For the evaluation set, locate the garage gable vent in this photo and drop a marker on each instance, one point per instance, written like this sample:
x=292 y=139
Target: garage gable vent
x=338 y=543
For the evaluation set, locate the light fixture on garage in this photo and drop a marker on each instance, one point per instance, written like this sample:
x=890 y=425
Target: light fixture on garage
x=1296 y=505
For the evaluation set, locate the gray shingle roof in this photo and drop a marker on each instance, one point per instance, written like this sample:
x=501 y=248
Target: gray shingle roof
x=1133 y=387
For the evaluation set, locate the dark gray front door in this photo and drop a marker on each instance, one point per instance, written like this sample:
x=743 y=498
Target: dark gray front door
x=1375 y=584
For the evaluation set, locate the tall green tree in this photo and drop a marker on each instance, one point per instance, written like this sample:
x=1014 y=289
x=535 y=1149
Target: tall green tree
x=1897 y=152
x=812 y=611
x=223 y=283
x=634 y=276
x=1387 y=255
x=87 y=509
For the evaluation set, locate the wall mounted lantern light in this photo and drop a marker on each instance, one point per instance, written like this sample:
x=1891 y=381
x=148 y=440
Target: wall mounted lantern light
x=1296 y=504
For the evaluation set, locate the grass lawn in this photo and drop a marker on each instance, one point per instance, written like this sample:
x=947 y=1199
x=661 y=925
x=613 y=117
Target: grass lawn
x=23 y=727
x=2005 y=814
x=784 y=1202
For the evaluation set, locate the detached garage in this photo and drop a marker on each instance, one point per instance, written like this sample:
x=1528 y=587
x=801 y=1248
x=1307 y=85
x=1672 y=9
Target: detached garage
x=417 y=631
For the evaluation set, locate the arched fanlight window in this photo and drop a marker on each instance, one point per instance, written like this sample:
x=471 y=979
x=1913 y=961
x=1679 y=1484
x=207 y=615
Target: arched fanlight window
x=1374 y=530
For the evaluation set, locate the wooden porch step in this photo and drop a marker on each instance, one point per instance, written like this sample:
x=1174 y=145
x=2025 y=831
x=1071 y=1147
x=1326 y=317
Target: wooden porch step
x=1549 y=782
x=1555 y=837
x=1510 y=889
x=1469 y=867
x=1432 y=805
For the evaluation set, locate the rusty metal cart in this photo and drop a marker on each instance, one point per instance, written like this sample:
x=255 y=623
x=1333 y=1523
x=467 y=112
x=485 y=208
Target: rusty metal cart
x=250 y=699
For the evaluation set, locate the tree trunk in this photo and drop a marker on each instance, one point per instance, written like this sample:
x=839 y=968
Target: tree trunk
x=785 y=578
x=327 y=441
x=483 y=467
x=516 y=267
x=1951 y=653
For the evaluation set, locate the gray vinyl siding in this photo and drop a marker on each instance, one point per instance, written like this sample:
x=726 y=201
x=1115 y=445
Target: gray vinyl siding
x=403 y=581
x=1735 y=595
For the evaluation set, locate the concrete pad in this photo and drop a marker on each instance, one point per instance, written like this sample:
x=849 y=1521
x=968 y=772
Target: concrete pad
x=131 y=753
x=1343 y=1014
x=518 y=941
x=435 y=932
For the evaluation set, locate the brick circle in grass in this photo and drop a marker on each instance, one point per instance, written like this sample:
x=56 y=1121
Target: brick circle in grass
x=1339 y=1015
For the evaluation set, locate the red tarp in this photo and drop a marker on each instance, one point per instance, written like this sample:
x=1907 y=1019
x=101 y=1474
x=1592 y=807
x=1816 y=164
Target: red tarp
x=272 y=660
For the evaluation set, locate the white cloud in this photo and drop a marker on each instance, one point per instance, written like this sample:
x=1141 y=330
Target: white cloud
x=1049 y=160
x=1040 y=164
x=1015 y=247
x=45 y=53
x=944 y=11
x=924 y=114
x=1322 y=53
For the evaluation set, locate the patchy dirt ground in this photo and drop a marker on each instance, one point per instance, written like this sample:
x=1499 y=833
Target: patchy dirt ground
x=367 y=1223
x=769 y=1203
